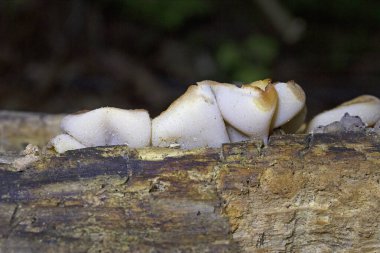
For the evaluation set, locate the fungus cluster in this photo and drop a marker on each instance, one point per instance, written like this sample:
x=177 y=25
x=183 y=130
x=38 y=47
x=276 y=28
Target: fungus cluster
x=209 y=114
x=206 y=115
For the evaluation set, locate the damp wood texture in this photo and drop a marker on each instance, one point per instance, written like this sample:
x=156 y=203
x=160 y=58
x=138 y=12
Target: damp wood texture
x=301 y=193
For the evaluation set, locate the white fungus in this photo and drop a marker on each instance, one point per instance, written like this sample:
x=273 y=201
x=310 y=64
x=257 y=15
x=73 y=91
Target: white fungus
x=366 y=107
x=64 y=142
x=193 y=121
x=129 y=127
x=248 y=109
x=109 y=126
x=207 y=115
x=291 y=100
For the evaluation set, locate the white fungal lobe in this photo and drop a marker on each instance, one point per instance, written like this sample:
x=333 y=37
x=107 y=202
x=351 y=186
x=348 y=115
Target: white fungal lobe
x=64 y=142
x=109 y=126
x=192 y=121
x=366 y=107
x=248 y=109
x=129 y=127
x=291 y=100
x=88 y=128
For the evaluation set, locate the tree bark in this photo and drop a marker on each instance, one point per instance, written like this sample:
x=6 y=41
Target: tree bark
x=301 y=193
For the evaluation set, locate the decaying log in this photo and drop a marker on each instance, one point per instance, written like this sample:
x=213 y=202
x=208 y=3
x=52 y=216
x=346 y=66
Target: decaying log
x=301 y=193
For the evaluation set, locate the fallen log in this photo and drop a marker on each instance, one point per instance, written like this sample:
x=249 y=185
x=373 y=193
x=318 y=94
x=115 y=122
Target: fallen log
x=301 y=193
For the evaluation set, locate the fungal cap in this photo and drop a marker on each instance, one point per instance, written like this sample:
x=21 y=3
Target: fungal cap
x=109 y=126
x=248 y=109
x=366 y=107
x=291 y=100
x=64 y=142
x=193 y=120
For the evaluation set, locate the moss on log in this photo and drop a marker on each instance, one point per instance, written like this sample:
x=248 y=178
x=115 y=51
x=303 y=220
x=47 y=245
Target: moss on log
x=301 y=193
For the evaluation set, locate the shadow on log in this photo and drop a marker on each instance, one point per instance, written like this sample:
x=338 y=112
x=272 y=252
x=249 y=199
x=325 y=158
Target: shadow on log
x=301 y=193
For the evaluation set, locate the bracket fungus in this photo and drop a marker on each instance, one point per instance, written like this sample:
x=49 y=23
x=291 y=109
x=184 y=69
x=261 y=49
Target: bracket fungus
x=366 y=107
x=291 y=101
x=248 y=109
x=64 y=142
x=107 y=126
x=207 y=115
x=193 y=120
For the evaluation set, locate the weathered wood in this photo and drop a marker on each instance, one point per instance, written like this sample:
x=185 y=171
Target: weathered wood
x=316 y=193
x=301 y=193
x=114 y=199
x=17 y=129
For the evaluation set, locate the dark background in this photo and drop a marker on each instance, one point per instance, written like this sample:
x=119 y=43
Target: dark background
x=69 y=55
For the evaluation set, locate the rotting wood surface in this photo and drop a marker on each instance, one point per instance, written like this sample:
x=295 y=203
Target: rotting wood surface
x=17 y=129
x=301 y=193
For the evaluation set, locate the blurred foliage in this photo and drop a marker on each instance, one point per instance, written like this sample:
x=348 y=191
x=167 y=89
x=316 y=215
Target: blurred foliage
x=81 y=54
x=248 y=60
